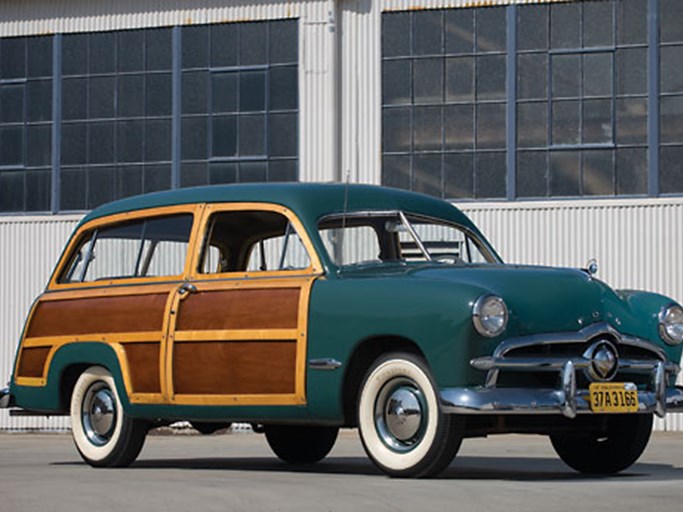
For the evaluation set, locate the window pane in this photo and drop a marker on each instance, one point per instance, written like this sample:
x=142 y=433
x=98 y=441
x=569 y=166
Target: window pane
x=72 y=185
x=129 y=141
x=632 y=121
x=157 y=177
x=532 y=125
x=39 y=104
x=491 y=29
x=598 y=173
x=253 y=91
x=565 y=127
x=253 y=43
x=459 y=79
x=224 y=92
x=491 y=126
x=671 y=69
x=396 y=34
x=224 y=45
x=564 y=173
x=395 y=171
x=11 y=103
x=13 y=57
x=158 y=49
x=39 y=144
x=195 y=92
x=284 y=90
x=566 y=76
x=532 y=27
x=101 y=139
x=102 y=97
x=427 y=33
x=427 y=174
x=38 y=191
x=459 y=126
x=283 y=135
x=74 y=143
x=283 y=41
x=597 y=74
x=459 y=28
x=597 y=121
x=671 y=120
x=631 y=171
x=252 y=135
x=192 y=175
x=459 y=175
x=632 y=71
x=532 y=73
x=598 y=24
x=158 y=94
x=157 y=141
x=74 y=96
x=396 y=132
x=632 y=22
x=12 y=191
x=428 y=80
x=102 y=52
x=222 y=173
x=195 y=46
x=490 y=175
x=491 y=77
x=74 y=54
x=130 y=50
x=11 y=145
x=39 y=56
x=170 y=236
x=532 y=174
x=282 y=170
x=194 y=137
x=565 y=25
x=396 y=82
x=224 y=136
x=101 y=186
x=252 y=172
x=671 y=16
x=129 y=180
x=130 y=99
x=427 y=128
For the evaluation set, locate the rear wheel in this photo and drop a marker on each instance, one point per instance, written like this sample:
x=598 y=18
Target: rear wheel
x=105 y=436
x=401 y=426
x=300 y=444
x=608 y=450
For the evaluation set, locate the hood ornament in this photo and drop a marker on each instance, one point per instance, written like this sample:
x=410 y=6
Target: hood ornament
x=591 y=267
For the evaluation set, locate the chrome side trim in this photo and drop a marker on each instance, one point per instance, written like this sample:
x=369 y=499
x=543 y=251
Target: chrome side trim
x=324 y=364
x=5 y=398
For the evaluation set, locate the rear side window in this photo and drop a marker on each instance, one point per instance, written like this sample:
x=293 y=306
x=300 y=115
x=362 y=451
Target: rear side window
x=153 y=247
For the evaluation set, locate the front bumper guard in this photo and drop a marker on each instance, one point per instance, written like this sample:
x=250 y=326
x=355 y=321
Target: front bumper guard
x=568 y=400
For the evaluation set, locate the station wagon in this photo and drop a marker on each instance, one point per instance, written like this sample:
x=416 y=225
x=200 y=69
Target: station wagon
x=305 y=308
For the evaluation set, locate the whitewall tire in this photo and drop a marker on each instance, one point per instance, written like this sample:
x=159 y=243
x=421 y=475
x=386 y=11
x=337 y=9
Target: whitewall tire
x=402 y=428
x=104 y=434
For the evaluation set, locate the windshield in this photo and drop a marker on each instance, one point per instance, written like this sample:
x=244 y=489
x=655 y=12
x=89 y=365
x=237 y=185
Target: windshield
x=382 y=237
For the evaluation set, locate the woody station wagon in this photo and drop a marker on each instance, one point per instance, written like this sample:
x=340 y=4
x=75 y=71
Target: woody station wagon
x=303 y=308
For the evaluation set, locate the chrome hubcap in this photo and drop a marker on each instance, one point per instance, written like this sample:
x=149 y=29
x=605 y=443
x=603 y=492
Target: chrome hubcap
x=400 y=414
x=99 y=413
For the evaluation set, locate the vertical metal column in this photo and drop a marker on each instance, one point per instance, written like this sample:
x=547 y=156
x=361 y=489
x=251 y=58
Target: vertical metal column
x=653 y=109
x=511 y=106
x=176 y=92
x=55 y=197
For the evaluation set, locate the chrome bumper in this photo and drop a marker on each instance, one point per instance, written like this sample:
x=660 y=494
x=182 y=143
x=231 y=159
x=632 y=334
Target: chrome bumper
x=5 y=398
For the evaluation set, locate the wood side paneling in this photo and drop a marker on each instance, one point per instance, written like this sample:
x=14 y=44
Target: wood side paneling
x=234 y=367
x=32 y=361
x=143 y=364
x=272 y=308
x=131 y=313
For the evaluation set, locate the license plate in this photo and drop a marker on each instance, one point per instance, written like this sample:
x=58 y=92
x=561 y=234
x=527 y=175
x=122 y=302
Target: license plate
x=613 y=397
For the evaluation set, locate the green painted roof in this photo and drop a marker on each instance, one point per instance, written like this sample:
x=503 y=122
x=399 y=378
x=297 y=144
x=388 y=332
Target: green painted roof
x=309 y=201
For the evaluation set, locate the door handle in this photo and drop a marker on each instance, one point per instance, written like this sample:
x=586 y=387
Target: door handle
x=186 y=288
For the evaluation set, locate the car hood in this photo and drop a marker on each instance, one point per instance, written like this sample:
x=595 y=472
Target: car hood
x=539 y=299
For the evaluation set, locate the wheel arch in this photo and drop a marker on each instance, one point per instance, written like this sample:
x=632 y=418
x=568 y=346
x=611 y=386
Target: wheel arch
x=362 y=357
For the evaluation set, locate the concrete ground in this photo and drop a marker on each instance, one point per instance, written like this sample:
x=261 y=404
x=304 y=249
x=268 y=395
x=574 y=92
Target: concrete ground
x=237 y=472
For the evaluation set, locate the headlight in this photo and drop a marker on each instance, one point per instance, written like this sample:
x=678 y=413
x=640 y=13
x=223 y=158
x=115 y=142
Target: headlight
x=671 y=324
x=490 y=315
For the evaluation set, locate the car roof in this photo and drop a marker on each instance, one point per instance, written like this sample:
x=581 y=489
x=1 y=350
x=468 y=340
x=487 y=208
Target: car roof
x=310 y=201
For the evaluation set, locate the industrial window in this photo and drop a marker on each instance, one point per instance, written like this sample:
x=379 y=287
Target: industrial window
x=25 y=123
x=240 y=103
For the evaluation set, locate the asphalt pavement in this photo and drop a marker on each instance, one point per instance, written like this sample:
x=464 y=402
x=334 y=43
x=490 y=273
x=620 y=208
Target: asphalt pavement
x=237 y=472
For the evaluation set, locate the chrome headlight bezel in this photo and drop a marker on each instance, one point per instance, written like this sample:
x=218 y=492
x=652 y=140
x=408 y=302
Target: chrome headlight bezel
x=670 y=328
x=485 y=323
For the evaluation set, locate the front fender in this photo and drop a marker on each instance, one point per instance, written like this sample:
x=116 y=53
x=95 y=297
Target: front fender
x=48 y=398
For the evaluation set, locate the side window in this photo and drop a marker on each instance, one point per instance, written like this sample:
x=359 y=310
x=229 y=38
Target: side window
x=252 y=241
x=145 y=248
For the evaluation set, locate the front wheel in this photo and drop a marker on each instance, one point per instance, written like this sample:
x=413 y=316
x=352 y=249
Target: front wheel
x=105 y=436
x=608 y=450
x=300 y=444
x=401 y=426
